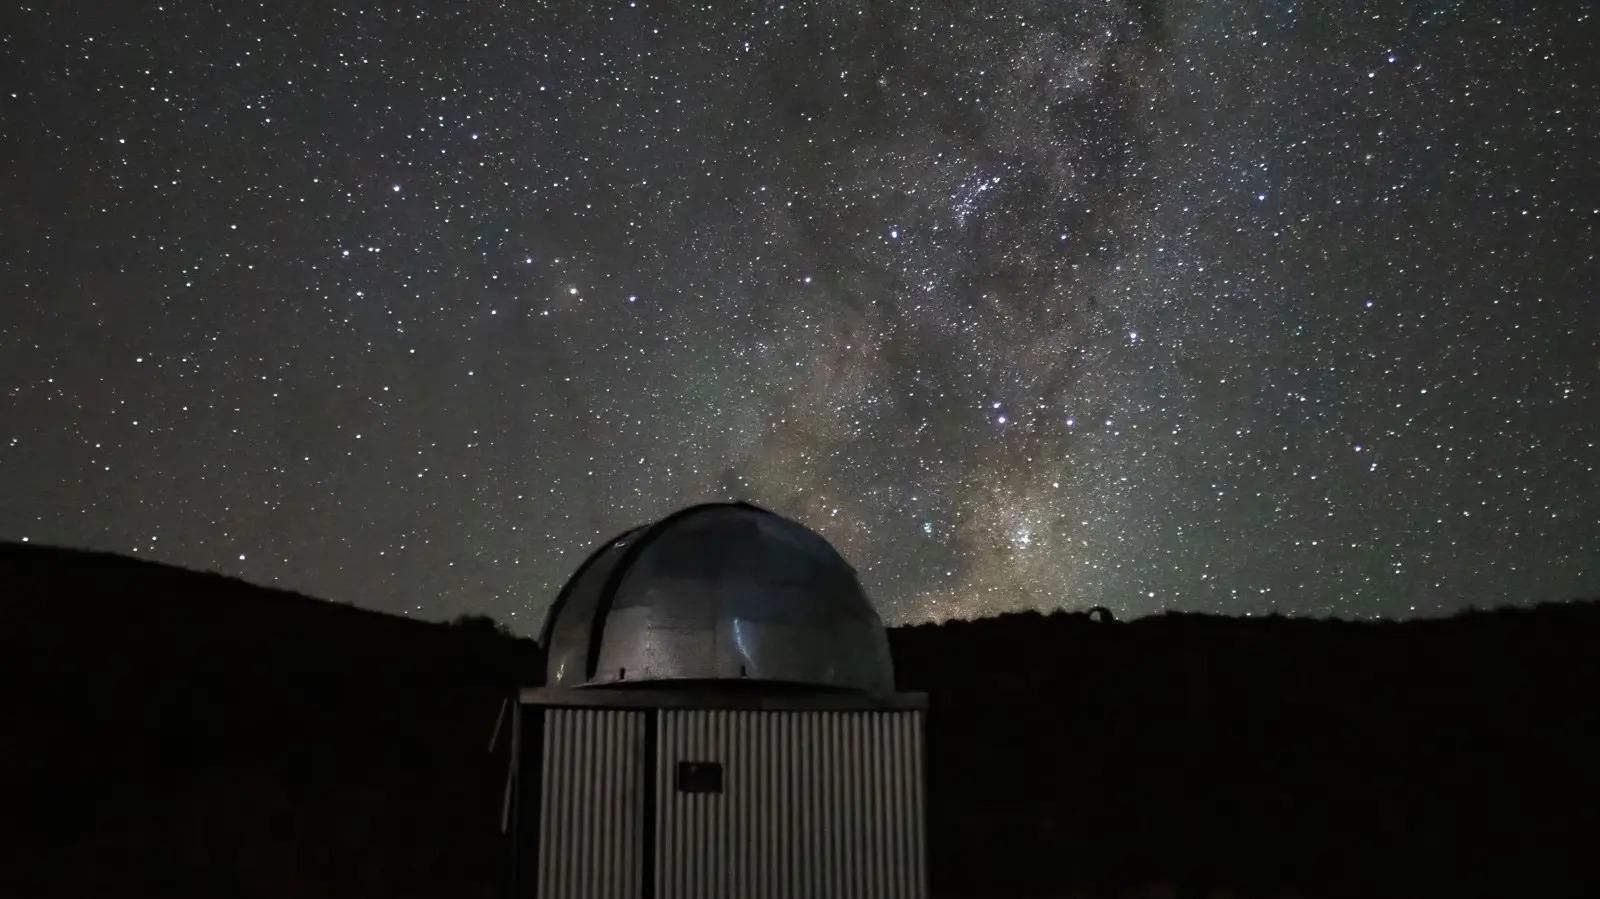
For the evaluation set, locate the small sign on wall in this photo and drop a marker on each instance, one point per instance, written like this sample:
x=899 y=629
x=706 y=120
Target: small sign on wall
x=700 y=777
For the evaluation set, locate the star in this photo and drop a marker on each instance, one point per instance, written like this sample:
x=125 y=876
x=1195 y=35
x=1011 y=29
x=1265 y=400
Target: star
x=1331 y=325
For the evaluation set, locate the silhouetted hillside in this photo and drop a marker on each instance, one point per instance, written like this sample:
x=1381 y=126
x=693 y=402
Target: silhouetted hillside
x=69 y=607
x=1202 y=756
x=183 y=734
x=180 y=734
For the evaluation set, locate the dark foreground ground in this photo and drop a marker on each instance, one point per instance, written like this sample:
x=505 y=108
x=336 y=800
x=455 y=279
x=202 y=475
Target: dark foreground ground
x=177 y=734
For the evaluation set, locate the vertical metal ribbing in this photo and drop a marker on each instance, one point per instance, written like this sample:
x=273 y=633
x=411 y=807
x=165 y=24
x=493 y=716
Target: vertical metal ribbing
x=561 y=865
x=644 y=821
x=689 y=849
x=657 y=844
x=814 y=803
x=845 y=813
x=547 y=743
x=631 y=809
x=594 y=770
x=761 y=859
x=602 y=837
x=883 y=874
x=637 y=806
x=908 y=787
x=633 y=862
x=590 y=804
x=550 y=800
x=788 y=859
x=919 y=861
x=710 y=859
x=684 y=844
x=614 y=822
x=736 y=828
x=648 y=847
x=594 y=775
x=853 y=804
x=719 y=813
x=584 y=754
x=729 y=819
x=837 y=821
x=842 y=814
x=570 y=786
x=861 y=884
x=896 y=773
x=828 y=816
x=741 y=827
x=714 y=809
x=881 y=868
x=739 y=837
x=626 y=748
x=872 y=876
x=773 y=870
x=826 y=822
x=732 y=821
x=694 y=849
x=811 y=861
x=572 y=771
x=588 y=752
x=754 y=761
x=688 y=838
x=700 y=850
x=855 y=815
x=711 y=816
x=875 y=875
x=822 y=777
x=861 y=888
x=577 y=839
x=560 y=827
x=809 y=744
x=802 y=867
x=667 y=867
x=719 y=810
x=609 y=820
x=662 y=823
x=895 y=819
x=906 y=759
x=669 y=858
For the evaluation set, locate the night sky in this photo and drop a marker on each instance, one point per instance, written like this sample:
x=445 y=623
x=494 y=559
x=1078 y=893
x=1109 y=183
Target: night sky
x=1227 y=307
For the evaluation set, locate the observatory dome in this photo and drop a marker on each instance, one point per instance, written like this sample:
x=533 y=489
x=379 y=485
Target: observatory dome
x=719 y=592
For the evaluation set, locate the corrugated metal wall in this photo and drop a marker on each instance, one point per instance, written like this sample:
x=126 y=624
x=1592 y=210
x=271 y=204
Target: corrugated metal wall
x=591 y=804
x=814 y=804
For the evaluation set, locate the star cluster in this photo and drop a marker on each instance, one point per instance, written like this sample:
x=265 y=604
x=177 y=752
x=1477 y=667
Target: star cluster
x=1246 y=307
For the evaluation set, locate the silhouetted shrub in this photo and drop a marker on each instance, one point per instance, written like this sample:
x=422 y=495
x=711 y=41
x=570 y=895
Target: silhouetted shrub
x=481 y=623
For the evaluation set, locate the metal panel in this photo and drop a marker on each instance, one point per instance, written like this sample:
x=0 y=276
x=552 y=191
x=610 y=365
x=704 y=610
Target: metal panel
x=569 y=627
x=713 y=695
x=727 y=591
x=814 y=804
x=591 y=804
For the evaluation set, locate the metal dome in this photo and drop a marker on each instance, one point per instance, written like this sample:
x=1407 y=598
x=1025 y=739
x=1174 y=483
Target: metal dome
x=717 y=592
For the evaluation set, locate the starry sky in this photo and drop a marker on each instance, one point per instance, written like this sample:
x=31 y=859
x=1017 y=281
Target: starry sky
x=1226 y=307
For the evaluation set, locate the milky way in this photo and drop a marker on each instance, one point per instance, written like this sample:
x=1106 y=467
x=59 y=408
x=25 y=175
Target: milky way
x=1226 y=307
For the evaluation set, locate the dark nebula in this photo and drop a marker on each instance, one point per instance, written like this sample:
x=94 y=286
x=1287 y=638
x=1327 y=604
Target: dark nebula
x=1236 y=307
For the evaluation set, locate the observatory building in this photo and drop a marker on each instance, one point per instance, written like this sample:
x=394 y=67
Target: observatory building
x=718 y=720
